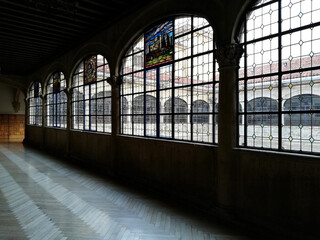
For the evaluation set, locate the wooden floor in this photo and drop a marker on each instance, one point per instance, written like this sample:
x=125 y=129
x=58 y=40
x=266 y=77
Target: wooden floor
x=43 y=198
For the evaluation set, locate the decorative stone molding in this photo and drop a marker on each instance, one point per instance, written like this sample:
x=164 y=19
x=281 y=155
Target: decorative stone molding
x=114 y=81
x=229 y=56
x=16 y=100
x=16 y=106
x=68 y=91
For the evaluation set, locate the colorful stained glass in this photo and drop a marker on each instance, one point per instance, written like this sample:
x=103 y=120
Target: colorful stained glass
x=36 y=89
x=90 y=70
x=56 y=82
x=159 y=44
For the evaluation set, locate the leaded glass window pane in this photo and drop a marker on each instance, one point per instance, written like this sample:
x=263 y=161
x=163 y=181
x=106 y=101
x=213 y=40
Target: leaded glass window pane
x=56 y=103
x=167 y=92
x=279 y=76
x=91 y=95
x=35 y=104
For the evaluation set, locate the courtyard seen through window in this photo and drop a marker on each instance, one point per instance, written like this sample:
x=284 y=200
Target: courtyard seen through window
x=56 y=101
x=170 y=82
x=35 y=104
x=91 y=95
x=279 y=76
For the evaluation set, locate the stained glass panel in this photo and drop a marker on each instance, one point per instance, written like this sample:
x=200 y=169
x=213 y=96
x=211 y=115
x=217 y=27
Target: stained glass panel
x=159 y=44
x=56 y=82
x=90 y=70
x=91 y=98
x=171 y=98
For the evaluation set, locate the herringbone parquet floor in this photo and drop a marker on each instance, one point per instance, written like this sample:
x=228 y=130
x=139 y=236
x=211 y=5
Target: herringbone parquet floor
x=44 y=198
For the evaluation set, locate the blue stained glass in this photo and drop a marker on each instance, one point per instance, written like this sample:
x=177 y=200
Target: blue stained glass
x=159 y=44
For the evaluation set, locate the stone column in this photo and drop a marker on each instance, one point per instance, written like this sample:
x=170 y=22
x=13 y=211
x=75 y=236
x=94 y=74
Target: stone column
x=44 y=118
x=68 y=92
x=26 y=119
x=115 y=82
x=228 y=58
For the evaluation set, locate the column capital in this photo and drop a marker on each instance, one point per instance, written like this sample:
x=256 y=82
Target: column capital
x=68 y=91
x=114 y=81
x=229 y=55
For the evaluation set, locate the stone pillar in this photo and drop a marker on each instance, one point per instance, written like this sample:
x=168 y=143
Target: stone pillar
x=26 y=119
x=44 y=119
x=68 y=92
x=228 y=58
x=16 y=101
x=115 y=82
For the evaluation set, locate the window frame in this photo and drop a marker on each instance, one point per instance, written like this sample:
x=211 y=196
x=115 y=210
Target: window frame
x=58 y=104
x=37 y=105
x=159 y=114
x=91 y=112
x=281 y=112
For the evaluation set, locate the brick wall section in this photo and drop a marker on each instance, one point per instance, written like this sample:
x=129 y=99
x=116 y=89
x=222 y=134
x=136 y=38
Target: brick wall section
x=11 y=128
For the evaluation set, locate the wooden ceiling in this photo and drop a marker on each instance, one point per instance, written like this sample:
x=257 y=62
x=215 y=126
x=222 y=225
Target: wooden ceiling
x=32 y=32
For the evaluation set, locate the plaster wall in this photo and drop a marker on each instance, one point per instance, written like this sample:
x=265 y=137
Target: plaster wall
x=7 y=96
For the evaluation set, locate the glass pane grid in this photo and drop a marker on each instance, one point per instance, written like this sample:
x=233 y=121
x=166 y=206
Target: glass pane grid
x=56 y=103
x=174 y=100
x=290 y=121
x=91 y=98
x=35 y=104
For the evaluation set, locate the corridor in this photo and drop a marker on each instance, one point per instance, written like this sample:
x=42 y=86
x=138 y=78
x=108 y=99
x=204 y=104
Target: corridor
x=44 y=198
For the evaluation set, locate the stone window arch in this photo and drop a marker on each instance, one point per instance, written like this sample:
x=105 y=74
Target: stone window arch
x=56 y=101
x=175 y=60
x=91 y=95
x=200 y=106
x=302 y=102
x=281 y=61
x=260 y=109
x=35 y=104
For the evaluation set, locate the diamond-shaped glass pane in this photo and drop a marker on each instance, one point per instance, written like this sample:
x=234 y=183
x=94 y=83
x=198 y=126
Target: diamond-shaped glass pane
x=311 y=83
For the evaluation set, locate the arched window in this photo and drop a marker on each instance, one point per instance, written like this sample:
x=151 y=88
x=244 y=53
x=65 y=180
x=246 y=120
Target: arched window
x=173 y=59
x=56 y=101
x=180 y=106
x=35 y=104
x=302 y=102
x=260 y=109
x=91 y=95
x=200 y=107
x=281 y=62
